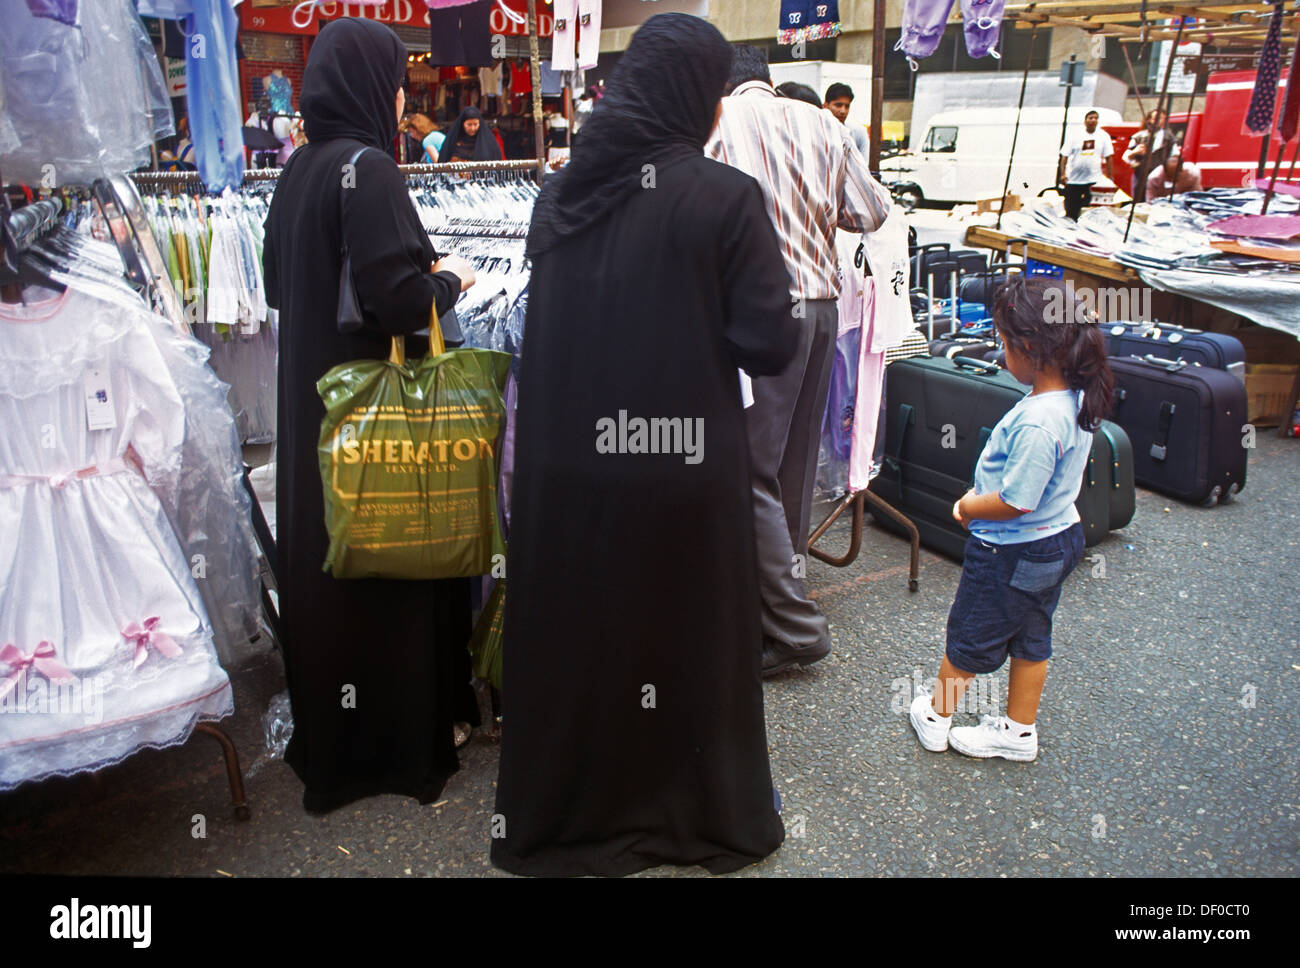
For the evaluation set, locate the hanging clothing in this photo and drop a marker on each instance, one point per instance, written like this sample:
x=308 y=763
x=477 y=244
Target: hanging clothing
x=93 y=583
x=402 y=644
x=212 y=94
x=885 y=253
x=460 y=146
x=461 y=35
x=807 y=20
x=924 y=22
x=280 y=92
x=678 y=771
x=1259 y=116
x=575 y=20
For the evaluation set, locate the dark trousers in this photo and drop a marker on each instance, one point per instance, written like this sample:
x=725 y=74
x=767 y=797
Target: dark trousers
x=1076 y=197
x=461 y=36
x=784 y=430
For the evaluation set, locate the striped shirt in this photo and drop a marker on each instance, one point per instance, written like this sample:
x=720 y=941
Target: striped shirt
x=813 y=177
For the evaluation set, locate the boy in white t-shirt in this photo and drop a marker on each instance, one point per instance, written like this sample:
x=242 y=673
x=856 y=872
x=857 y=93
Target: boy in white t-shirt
x=1085 y=156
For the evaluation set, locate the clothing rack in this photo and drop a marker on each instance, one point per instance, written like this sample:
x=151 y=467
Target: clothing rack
x=161 y=179
x=119 y=203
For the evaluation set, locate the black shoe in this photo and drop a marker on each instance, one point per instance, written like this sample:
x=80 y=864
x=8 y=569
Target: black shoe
x=780 y=656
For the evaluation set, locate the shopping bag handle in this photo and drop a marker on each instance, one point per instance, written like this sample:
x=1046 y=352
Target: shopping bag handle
x=397 y=353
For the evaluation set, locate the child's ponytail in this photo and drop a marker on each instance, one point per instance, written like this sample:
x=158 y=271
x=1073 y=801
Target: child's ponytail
x=1086 y=368
x=1047 y=323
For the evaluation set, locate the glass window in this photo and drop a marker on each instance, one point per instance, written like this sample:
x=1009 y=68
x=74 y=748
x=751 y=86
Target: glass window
x=941 y=139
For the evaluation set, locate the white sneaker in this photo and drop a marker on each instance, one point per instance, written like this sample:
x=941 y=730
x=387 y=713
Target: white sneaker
x=931 y=728
x=995 y=736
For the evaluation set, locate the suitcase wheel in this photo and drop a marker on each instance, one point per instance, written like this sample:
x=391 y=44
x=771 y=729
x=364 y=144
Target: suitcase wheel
x=1213 y=499
x=1228 y=495
x=912 y=584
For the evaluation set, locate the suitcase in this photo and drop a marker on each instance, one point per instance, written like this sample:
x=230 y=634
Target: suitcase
x=1185 y=422
x=1166 y=341
x=933 y=401
x=958 y=345
x=967 y=312
x=1107 y=498
x=981 y=286
x=923 y=265
x=922 y=478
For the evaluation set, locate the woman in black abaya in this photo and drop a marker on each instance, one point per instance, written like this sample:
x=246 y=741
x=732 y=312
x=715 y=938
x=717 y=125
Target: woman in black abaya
x=396 y=647
x=633 y=707
x=469 y=139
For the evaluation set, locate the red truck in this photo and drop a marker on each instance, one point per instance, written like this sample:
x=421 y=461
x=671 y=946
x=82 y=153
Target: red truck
x=1212 y=136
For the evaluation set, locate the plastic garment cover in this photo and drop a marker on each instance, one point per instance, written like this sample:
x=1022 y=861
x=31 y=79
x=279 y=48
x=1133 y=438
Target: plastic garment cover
x=212 y=94
x=409 y=465
x=212 y=513
x=247 y=365
x=105 y=645
x=82 y=101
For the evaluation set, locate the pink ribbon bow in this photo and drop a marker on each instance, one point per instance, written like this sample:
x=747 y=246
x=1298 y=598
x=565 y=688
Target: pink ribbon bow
x=144 y=635
x=40 y=658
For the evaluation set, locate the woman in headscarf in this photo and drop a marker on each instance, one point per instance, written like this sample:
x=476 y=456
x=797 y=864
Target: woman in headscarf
x=377 y=670
x=633 y=708
x=470 y=140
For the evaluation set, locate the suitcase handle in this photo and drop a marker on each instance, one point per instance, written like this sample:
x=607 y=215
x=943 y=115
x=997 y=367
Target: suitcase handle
x=967 y=363
x=1173 y=366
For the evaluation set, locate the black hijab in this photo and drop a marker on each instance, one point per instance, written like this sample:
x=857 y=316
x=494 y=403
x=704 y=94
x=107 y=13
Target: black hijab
x=658 y=109
x=349 y=87
x=484 y=145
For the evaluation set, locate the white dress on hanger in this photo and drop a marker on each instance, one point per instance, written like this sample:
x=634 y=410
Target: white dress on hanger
x=93 y=582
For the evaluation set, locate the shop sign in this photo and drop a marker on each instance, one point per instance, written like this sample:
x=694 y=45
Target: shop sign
x=405 y=13
x=175 y=76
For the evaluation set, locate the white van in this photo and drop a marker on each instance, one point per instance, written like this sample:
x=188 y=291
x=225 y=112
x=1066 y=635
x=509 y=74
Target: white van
x=963 y=154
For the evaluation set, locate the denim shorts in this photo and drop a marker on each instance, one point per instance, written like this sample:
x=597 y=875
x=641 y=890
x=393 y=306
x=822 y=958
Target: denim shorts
x=1006 y=598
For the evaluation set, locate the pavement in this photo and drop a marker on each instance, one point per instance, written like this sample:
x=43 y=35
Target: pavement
x=1168 y=733
x=1167 y=747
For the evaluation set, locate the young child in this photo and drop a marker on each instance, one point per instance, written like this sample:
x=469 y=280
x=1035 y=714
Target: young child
x=1025 y=532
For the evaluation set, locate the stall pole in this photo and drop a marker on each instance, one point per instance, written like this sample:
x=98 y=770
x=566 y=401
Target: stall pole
x=535 y=67
x=1024 y=81
x=1145 y=168
x=877 y=132
x=1191 y=109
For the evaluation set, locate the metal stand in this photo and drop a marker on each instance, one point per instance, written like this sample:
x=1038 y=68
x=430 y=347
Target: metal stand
x=878 y=504
x=233 y=775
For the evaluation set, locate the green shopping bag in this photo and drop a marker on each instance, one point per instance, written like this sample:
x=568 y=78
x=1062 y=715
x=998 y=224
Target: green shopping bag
x=485 y=643
x=409 y=463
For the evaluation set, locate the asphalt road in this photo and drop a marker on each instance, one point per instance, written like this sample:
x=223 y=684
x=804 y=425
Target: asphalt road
x=1168 y=737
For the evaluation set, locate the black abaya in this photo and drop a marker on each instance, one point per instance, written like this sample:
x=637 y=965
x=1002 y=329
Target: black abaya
x=400 y=645
x=633 y=706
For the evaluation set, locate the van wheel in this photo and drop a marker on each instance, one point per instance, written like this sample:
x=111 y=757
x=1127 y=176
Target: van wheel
x=909 y=198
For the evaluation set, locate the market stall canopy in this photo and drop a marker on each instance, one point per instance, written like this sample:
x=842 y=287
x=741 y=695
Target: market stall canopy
x=1226 y=23
x=633 y=13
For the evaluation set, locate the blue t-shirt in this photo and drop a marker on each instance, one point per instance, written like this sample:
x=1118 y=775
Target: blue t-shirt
x=432 y=145
x=1034 y=461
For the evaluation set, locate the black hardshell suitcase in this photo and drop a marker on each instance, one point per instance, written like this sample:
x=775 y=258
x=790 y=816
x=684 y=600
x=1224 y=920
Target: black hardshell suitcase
x=932 y=401
x=1185 y=422
x=1170 y=342
x=1107 y=498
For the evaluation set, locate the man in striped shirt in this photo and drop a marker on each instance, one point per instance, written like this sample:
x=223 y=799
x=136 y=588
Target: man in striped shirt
x=814 y=181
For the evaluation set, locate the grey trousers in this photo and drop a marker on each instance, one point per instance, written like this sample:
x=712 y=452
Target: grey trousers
x=784 y=429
